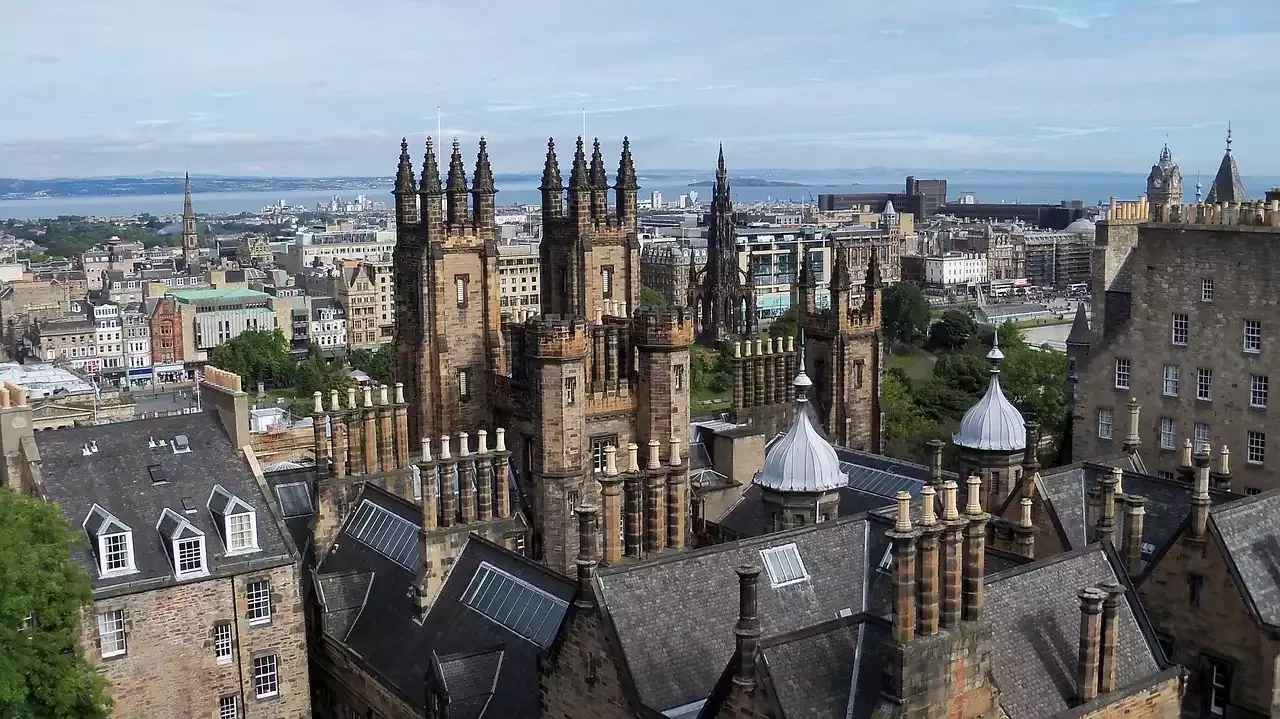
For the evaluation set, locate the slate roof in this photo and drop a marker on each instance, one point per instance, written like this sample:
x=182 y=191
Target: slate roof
x=676 y=655
x=1079 y=334
x=387 y=637
x=1249 y=530
x=816 y=673
x=118 y=478
x=1035 y=618
x=1227 y=186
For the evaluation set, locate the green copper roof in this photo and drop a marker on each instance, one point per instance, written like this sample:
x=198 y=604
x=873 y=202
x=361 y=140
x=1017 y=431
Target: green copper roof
x=226 y=294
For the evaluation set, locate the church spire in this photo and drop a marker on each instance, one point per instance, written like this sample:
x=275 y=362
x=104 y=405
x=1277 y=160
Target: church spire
x=483 y=179
x=552 y=186
x=1227 y=186
x=190 y=232
x=430 y=172
x=579 y=177
x=456 y=188
x=404 y=172
x=188 y=209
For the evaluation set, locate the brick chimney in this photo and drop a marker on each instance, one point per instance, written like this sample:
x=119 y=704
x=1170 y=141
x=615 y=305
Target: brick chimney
x=935 y=463
x=1200 y=502
x=17 y=432
x=1024 y=534
x=675 y=496
x=1105 y=528
x=355 y=447
x=466 y=479
x=401 y=414
x=930 y=532
x=634 y=509
x=386 y=436
x=747 y=632
x=1031 y=460
x=975 y=535
x=1133 y=440
x=338 y=431
x=448 y=493
x=427 y=471
x=484 y=477
x=501 y=486
x=1134 y=514
x=1091 y=599
x=221 y=392
x=1108 y=661
x=370 y=433
x=655 y=530
x=1220 y=478
x=952 y=556
x=586 y=561
x=611 y=496
x=903 y=538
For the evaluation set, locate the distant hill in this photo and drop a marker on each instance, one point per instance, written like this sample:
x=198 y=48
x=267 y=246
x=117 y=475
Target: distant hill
x=749 y=182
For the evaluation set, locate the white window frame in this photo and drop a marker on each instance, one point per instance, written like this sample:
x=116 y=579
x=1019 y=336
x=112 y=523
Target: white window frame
x=1204 y=384
x=1206 y=289
x=223 y=643
x=1172 y=380
x=1202 y=434
x=1106 y=429
x=1259 y=389
x=229 y=707
x=464 y=384
x=111 y=624
x=103 y=568
x=178 y=546
x=772 y=555
x=1123 y=373
x=1256 y=442
x=1253 y=340
x=266 y=669
x=1168 y=433
x=257 y=602
x=252 y=545
x=1219 y=689
x=1180 y=330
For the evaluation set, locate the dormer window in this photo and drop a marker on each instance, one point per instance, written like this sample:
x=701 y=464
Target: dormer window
x=237 y=522
x=111 y=541
x=184 y=544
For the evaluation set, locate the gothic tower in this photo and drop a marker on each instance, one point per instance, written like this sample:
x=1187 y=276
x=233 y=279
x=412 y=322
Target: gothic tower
x=190 y=233
x=844 y=353
x=723 y=302
x=1164 y=184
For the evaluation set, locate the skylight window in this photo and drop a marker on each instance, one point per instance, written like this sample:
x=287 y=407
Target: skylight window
x=515 y=604
x=389 y=535
x=784 y=565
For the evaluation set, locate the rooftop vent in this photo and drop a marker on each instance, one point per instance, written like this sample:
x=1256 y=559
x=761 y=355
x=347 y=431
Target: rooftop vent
x=84 y=450
x=188 y=505
x=93 y=446
x=158 y=474
x=181 y=444
x=152 y=443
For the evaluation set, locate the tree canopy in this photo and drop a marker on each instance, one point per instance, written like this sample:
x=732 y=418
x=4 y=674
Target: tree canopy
x=787 y=324
x=43 y=670
x=652 y=299
x=257 y=356
x=379 y=364
x=952 y=331
x=905 y=313
x=317 y=374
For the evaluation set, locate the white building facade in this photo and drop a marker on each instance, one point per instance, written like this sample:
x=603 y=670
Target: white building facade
x=955 y=268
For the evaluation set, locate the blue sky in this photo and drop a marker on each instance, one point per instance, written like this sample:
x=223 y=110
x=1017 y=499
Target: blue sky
x=316 y=87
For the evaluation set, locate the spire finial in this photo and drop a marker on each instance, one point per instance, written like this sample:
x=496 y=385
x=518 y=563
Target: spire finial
x=579 y=176
x=598 y=178
x=457 y=173
x=482 y=181
x=1199 y=187
x=720 y=163
x=995 y=355
x=430 y=181
x=551 y=171
x=626 y=167
x=1228 y=137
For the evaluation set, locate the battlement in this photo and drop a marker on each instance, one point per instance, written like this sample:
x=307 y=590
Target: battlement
x=1260 y=214
x=827 y=320
x=552 y=336
x=1128 y=212
x=667 y=327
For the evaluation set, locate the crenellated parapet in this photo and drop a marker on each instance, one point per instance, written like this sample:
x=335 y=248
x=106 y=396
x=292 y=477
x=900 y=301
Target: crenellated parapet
x=1261 y=214
x=550 y=337
x=667 y=328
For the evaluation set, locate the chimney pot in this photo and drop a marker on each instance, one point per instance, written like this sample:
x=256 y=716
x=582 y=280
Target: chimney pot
x=1118 y=474
x=675 y=451
x=737 y=349
x=368 y=396
x=747 y=630
x=928 y=506
x=426 y=450
x=464 y=445
x=501 y=440
x=318 y=399
x=654 y=461
x=599 y=315
x=1185 y=456
x=746 y=348
x=950 y=511
x=1025 y=521
x=382 y=395
x=399 y=392
x=1091 y=599
x=334 y=405
x=935 y=462
x=1110 y=639
x=610 y=461
x=1224 y=460
x=791 y=343
x=904 y=512
x=633 y=457
x=974 y=506
x=351 y=398
x=444 y=447
x=482 y=441
x=759 y=346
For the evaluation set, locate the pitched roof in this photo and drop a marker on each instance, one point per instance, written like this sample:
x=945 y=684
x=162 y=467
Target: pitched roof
x=1035 y=619
x=834 y=670
x=1079 y=334
x=677 y=652
x=1227 y=186
x=385 y=632
x=122 y=478
x=1250 y=533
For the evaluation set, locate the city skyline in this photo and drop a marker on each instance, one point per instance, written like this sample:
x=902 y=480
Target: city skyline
x=315 y=89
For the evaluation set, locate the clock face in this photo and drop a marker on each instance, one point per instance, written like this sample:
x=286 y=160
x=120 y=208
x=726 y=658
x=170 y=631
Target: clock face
x=1156 y=182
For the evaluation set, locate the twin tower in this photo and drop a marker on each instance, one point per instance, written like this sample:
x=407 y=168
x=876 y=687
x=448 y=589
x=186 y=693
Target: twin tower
x=594 y=371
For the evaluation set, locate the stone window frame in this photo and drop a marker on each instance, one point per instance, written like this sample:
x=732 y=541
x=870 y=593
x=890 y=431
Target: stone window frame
x=274 y=658
x=678 y=370
x=1168 y=433
x=117 y=615
x=1204 y=384
x=1123 y=372
x=1252 y=336
x=229 y=706
x=1172 y=380
x=597 y=444
x=1109 y=424
x=1256 y=447
x=1206 y=289
x=223 y=643
x=462 y=286
x=1210 y=664
x=464 y=384
x=571 y=391
x=255 y=601
x=606 y=281
x=1259 y=391
x=1180 y=329
x=1199 y=438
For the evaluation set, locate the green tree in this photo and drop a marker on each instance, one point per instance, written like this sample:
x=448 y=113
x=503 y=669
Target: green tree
x=380 y=363
x=1035 y=380
x=952 y=331
x=651 y=299
x=257 y=356
x=317 y=374
x=787 y=324
x=906 y=313
x=43 y=670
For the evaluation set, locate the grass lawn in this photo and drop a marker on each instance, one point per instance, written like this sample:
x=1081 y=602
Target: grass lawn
x=916 y=363
x=704 y=400
x=1046 y=322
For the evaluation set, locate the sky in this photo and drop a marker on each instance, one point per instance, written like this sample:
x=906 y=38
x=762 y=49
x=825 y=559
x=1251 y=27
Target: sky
x=328 y=87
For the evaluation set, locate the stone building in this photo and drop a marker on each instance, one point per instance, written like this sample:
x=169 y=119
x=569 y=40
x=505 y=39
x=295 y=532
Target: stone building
x=168 y=340
x=196 y=584
x=721 y=293
x=592 y=372
x=665 y=267
x=1226 y=186
x=1182 y=296
x=25 y=302
x=1164 y=184
x=519 y=274
x=190 y=231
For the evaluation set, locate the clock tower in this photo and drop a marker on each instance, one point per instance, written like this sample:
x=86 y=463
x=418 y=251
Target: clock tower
x=1164 y=184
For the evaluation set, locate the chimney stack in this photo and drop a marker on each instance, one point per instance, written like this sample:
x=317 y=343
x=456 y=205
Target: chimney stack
x=484 y=477
x=1200 y=502
x=952 y=556
x=430 y=489
x=401 y=414
x=1134 y=512
x=747 y=631
x=610 y=495
x=929 y=571
x=904 y=572
x=448 y=491
x=1108 y=662
x=1106 y=525
x=1031 y=460
x=675 y=497
x=501 y=476
x=1133 y=440
x=655 y=501
x=338 y=433
x=975 y=536
x=320 y=439
x=370 y=433
x=633 y=510
x=935 y=463
x=386 y=437
x=1091 y=599
x=586 y=560
x=466 y=479
x=1220 y=478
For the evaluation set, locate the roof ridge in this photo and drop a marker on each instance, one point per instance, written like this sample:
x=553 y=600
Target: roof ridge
x=1245 y=500
x=1046 y=562
x=827 y=625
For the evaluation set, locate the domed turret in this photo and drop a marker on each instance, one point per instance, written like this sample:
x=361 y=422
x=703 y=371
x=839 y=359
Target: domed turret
x=993 y=424
x=802 y=460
